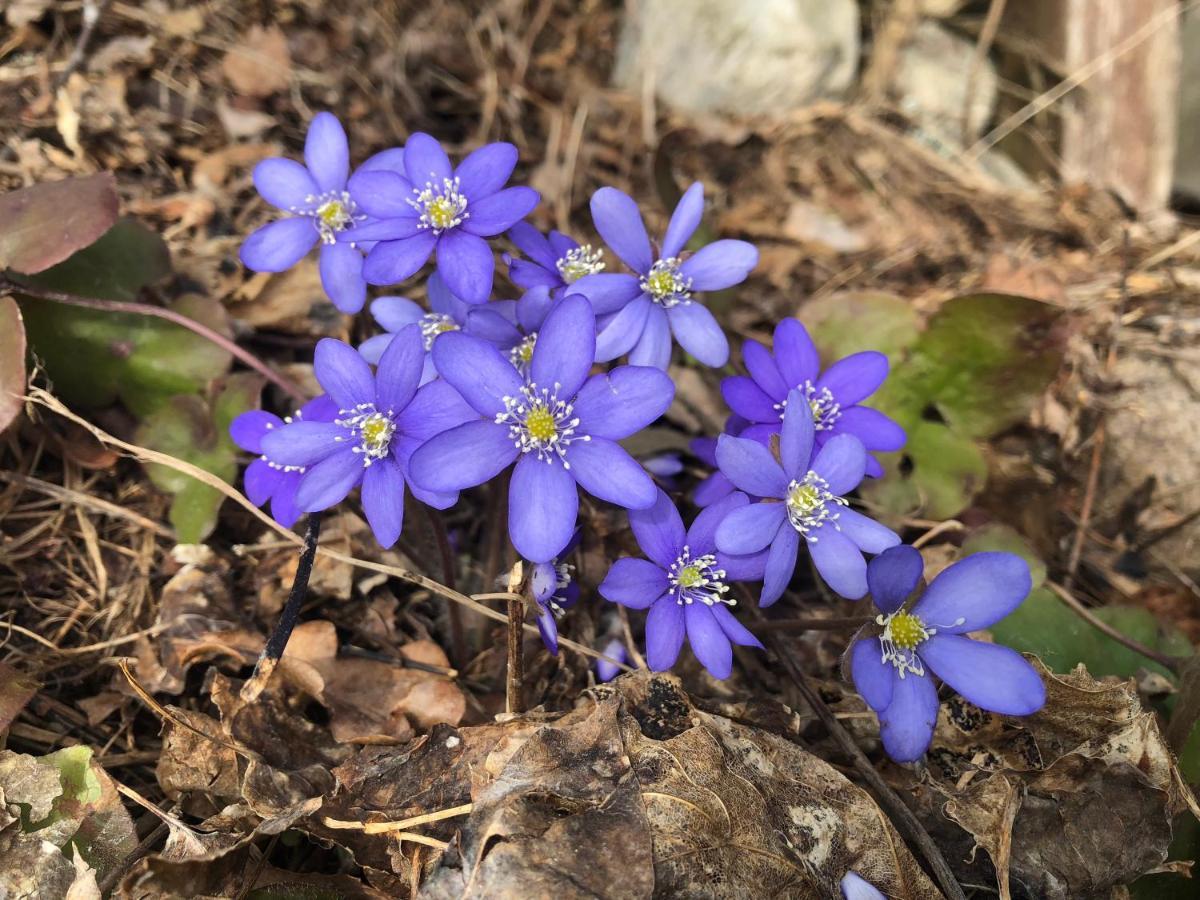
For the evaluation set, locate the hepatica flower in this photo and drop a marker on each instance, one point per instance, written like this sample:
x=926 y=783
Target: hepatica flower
x=381 y=418
x=684 y=584
x=394 y=314
x=559 y=426
x=512 y=325
x=803 y=495
x=834 y=396
x=717 y=485
x=555 y=261
x=265 y=479
x=434 y=207
x=642 y=311
x=606 y=671
x=554 y=591
x=323 y=212
x=892 y=670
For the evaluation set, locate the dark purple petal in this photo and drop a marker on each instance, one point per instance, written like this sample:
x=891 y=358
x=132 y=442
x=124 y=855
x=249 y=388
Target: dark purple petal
x=247 y=430
x=261 y=481
x=437 y=407
x=477 y=370
x=285 y=183
x=399 y=370
x=876 y=431
x=699 y=334
x=462 y=457
x=548 y=629
x=907 y=724
x=761 y=366
x=395 y=229
x=746 y=398
x=992 y=677
x=443 y=300
x=893 y=575
x=533 y=244
x=465 y=263
x=303 y=443
x=839 y=561
x=873 y=468
x=328 y=482
x=712 y=489
x=684 y=220
x=781 y=563
x=744 y=567
x=278 y=246
x=623 y=402
x=975 y=592
x=561 y=244
x=750 y=466
x=343 y=373
x=620 y=224
x=795 y=353
x=425 y=161
x=620 y=332
x=390 y=262
x=659 y=530
x=872 y=676
x=533 y=307
x=391 y=160
x=734 y=630
x=565 y=348
x=608 y=291
x=702 y=534
x=664 y=633
x=856 y=377
x=708 y=641
x=720 y=265
x=867 y=534
x=749 y=529
x=605 y=470
x=796 y=436
x=327 y=153
x=632 y=582
x=393 y=313
x=383 y=500
x=484 y=171
x=705 y=450
x=382 y=194
x=499 y=212
x=841 y=462
x=341 y=275
x=653 y=347
x=490 y=325
x=542 y=506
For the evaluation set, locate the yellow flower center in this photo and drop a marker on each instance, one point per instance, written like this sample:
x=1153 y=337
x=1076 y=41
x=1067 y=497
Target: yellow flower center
x=689 y=577
x=525 y=351
x=441 y=212
x=540 y=424
x=333 y=214
x=376 y=432
x=665 y=285
x=579 y=262
x=907 y=630
x=804 y=498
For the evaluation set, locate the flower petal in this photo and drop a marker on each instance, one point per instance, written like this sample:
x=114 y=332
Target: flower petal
x=399 y=371
x=744 y=567
x=608 y=291
x=653 y=347
x=285 y=183
x=565 y=348
x=746 y=398
x=749 y=529
x=382 y=194
x=734 y=630
x=876 y=431
x=867 y=534
x=383 y=500
x=720 y=265
x=437 y=407
x=750 y=466
x=856 y=377
x=839 y=561
x=499 y=212
x=873 y=678
x=261 y=481
x=992 y=677
x=397 y=228
x=659 y=530
x=906 y=726
x=842 y=463
x=548 y=628
x=393 y=313
x=303 y=443
x=462 y=457
x=247 y=430
x=484 y=171
x=796 y=436
x=327 y=152
x=684 y=220
x=664 y=633
x=343 y=373
x=278 y=246
x=390 y=262
x=328 y=482
x=283 y=502
x=712 y=489
x=425 y=161
x=542 y=506
x=702 y=533
x=490 y=325
x=855 y=888
x=708 y=641
x=699 y=334
x=390 y=160
x=634 y=583
x=533 y=307
x=975 y=592
x=893 y=575
x=466 y=264
x=341 y=275
x=618 y=335
x=620 y=224
x=477 y=370
x=795 y=353
x=605 y=470
x=372 y=348
x=761 y=366
x=781 y=564
x=533 y=244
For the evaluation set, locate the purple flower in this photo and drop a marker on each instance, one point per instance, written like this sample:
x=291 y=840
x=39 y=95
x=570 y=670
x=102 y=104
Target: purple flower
x=889 y=669
x=683 y=584
x=716 y=485
x=266 y=479
x=812 y=485
x=322 y=210
x=606 y=671
x=381 y=419
x=512 y=325
x=555 y=261
x=394 y=314
x=834 y=396
x=555 y=591
x=641 y=311
x=854 y=887
x=560 y=427
x=429 y=205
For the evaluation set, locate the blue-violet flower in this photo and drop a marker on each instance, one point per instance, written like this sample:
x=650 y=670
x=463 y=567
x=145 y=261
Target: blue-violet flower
x=394 y=314
x=555 y=261
x=855 y=887
x=554 y=591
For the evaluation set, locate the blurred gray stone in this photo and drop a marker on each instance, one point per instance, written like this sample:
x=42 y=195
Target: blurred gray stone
x=931 y=85
x=765 y=57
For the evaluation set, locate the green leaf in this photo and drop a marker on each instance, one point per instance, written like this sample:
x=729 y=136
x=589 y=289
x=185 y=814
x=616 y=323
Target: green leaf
x=44 y=224
x=12 y=361
x=997 y=536
x=126 y=259
x=845 y=323
x=936 y=474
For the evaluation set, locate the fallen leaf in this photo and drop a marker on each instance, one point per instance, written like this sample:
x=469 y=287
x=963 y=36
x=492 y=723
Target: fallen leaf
x=260 y=65
x=46 y=223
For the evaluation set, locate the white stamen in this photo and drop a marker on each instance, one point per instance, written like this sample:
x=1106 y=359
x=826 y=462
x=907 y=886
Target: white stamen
x=825 y=408
x=698 y=580
x=581 y=261
x=433 y=324
x=538 y=422
x=810 y=504
x=372 y=430
x=440 y=208
x=665 y=285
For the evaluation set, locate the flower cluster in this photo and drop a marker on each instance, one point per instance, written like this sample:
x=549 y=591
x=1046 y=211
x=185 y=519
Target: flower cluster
x=459 y=392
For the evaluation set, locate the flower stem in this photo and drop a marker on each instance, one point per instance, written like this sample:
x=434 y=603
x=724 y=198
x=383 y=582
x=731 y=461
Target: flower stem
x=515 y=676
x=458 y=645
x=278 y=640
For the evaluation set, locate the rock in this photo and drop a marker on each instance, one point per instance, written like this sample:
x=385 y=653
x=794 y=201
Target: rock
x=728 y=56
x=931 y=85
x=1187 y=171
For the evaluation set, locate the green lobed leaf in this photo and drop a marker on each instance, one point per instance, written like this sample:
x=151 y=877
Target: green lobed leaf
x=845 y=323
x=936 y=474
x=45 y=223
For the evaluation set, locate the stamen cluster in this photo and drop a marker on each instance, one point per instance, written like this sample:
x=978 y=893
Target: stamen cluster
x=666 y=285
x=810 y=504
x=539 y=422
x=440 y=208
x=698 y=580
x=371 y=429
x=581 y=261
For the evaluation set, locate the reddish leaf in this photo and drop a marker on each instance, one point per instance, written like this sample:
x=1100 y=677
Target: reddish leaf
x=46 y=223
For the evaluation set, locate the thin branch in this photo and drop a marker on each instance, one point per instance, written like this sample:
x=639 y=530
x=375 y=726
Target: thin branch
x=983 y=46
x=1171 y=663
x=92 y=11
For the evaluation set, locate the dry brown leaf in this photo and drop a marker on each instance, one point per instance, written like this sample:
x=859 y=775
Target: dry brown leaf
x=261 y=64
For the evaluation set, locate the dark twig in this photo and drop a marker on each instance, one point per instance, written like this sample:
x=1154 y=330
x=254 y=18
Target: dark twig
x=458 y=644
x=278 y=640
x=7 y=286
x=515 y=672
x=1171 y=663
x=92 y=11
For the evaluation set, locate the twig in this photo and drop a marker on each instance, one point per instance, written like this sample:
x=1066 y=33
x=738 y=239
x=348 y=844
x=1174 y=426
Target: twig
x=897 y=28
x=983 y=46
x=58 y=492
x=8 y=286
x=458 y=644
x=400 y=825
x=515 y=672
x=1171 y=663
x=92 y=11
x=278 y=640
